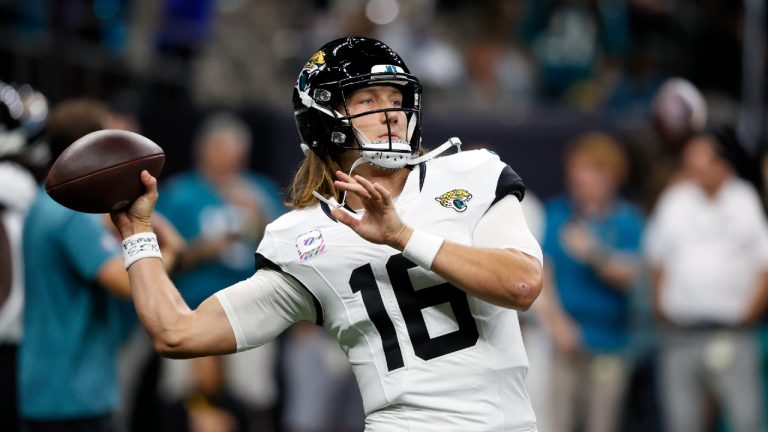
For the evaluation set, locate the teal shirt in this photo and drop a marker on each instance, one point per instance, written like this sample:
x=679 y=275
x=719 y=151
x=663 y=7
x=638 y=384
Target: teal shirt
x=67 y=359
x=196 y=209
x=599 y=310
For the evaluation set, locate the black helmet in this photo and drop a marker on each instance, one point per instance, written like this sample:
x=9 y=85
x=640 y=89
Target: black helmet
x=23 y=112
x=338 y=68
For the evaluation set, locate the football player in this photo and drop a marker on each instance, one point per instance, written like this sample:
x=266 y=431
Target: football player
x=416 y=264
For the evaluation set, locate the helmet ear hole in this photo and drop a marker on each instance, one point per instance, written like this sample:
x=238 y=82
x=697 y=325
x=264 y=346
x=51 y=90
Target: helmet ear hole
x=338 y=137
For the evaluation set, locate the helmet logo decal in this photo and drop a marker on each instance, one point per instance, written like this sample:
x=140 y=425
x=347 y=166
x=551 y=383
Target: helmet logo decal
x=456 y=199
x=310 y=245
x=315 y=64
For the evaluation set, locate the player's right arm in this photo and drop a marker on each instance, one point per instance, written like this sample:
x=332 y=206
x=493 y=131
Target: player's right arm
x=242 y=316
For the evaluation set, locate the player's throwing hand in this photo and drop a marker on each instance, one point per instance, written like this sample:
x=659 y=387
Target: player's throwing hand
x=138 y=217
x=380 y=222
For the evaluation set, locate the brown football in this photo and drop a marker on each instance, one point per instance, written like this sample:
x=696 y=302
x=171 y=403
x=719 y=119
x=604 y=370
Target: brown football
x=100 y=172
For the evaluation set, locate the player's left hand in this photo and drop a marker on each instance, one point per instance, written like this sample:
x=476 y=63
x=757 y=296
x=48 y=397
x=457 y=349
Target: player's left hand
x=380 y=222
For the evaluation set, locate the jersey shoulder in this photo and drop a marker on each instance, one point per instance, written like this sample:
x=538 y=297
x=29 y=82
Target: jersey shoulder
x=466 y=161
x=485 y=164
x=297 y=217
x=288 y=233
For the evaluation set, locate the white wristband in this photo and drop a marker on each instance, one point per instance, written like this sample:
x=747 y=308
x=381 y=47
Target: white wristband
x=138 y=246
x=422 y=248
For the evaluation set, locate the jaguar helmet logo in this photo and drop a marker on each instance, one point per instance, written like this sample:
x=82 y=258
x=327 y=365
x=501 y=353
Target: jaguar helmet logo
x=315 y=64
x=456 y=199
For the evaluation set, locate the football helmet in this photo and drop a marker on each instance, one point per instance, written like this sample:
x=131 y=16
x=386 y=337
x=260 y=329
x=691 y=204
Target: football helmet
x=23 y=112
x=331 y=74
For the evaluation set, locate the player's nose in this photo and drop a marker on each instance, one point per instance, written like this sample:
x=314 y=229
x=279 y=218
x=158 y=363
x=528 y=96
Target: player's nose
x=389 y=117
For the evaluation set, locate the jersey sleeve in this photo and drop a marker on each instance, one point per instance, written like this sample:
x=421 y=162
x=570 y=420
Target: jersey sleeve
x=268 y=256
x=263 y=306
x=503 y=226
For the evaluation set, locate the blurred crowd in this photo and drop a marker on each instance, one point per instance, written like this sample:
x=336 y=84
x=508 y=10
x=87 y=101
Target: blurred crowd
x=653 y=315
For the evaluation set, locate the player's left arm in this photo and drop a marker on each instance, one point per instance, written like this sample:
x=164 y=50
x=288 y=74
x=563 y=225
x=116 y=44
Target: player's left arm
x=506 y=276
x=504 y=266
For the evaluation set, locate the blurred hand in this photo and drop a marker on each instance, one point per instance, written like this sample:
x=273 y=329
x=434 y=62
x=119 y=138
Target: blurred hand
x=578 y=241
x=168 y=236
x=202 y=249
x=248 y=200
x=566 y=336
x=380 y=223
x=138 y=217
x=170 y=241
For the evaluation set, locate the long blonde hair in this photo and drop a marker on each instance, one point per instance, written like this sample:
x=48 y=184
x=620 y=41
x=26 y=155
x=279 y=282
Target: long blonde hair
x=314 y=174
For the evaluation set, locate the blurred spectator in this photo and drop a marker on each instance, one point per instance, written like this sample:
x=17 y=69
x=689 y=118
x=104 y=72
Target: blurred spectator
x=208 y=407
x=16 y=195
x=708 y=244
x=678 y=111
x=67 y=371
x=570 y=39
x=321 y=394
x=591 y=240
x=221 y=208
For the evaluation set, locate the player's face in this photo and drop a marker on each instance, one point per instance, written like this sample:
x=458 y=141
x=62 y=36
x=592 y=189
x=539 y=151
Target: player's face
x=374 y=126
x=702 y=163
x=588 y=182
x=223 y=153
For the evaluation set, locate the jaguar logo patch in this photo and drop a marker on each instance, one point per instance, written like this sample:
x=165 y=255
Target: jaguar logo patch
x=456 y=199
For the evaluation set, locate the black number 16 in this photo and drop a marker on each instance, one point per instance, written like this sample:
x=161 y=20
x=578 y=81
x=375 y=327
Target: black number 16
x=411 y=303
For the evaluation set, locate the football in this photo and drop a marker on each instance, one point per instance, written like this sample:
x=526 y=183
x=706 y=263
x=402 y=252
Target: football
x=678 y=111
x=100 y=172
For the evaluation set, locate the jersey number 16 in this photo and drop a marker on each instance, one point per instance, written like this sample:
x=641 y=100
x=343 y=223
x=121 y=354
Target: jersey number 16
x=411 y=303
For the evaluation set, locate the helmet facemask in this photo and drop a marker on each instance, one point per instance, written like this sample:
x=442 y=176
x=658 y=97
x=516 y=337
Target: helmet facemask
x=396 y=149
x=332 y=97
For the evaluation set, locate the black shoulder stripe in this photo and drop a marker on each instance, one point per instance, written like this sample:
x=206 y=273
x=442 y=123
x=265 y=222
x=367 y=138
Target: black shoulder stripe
x=327 y=211
x=264 y=262
x=422 y=174
x=509 y=183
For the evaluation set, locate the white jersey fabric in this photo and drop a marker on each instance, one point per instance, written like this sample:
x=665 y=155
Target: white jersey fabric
x=426 y=355
x=17 y=192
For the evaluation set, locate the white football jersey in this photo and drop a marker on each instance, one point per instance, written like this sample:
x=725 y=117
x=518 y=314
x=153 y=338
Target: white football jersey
x=426 y=355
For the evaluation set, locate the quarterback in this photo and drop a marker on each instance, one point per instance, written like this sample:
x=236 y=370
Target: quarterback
x=415 y=263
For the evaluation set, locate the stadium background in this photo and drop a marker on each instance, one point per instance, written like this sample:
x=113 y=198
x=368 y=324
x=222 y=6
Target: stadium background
x=492 y=75
x=498 y=74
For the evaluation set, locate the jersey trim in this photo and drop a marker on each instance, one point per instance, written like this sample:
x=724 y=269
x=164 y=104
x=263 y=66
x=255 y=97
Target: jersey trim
x=422 y=174
x=509 y=183
x=264 y=262
x=327 y=210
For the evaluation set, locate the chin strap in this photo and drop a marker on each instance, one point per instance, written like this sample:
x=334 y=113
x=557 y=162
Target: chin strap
x=331 y=201
x=437 y=152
